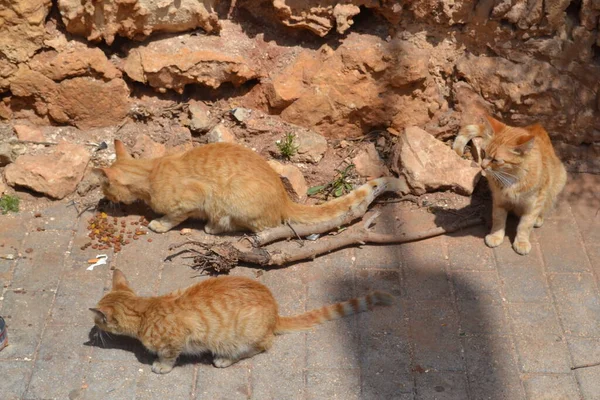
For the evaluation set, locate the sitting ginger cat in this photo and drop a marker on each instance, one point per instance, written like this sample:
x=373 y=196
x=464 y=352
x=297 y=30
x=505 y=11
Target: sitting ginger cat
x=524 y=174
x=230 y=186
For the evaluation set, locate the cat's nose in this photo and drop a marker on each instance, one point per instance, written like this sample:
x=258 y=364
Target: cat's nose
x=485 y=164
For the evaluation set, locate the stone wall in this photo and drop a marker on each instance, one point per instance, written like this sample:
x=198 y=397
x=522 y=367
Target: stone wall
x=340 y=68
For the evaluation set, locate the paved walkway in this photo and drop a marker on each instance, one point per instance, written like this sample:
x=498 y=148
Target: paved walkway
x=470 y=323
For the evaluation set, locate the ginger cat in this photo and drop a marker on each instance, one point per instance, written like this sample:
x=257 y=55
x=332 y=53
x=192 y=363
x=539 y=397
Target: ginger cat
x=524 y=174
x=230 y=186
x=232 y=317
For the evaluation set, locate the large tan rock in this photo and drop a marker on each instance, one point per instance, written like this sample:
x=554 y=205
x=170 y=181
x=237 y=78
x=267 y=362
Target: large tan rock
x=368 y=163
x=55 y=174
x=145 y=147
x=77 y=86
x=136 y=19
x=429 y=165
x=173 y=63
x=21 y=34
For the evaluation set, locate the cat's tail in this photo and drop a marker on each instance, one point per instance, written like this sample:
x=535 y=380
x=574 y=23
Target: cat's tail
x=335 y=311
x=465 y=135
x=306 y=214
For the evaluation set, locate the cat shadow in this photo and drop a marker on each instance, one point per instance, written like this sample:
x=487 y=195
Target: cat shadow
x=125 y=343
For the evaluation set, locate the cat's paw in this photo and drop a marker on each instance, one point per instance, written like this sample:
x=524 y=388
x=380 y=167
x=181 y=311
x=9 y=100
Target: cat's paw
x=523 y=247
x=494 y=240
x=539 y=221
x=160 y=368
x=220 y=362
x=212 y=229
x=158 y=227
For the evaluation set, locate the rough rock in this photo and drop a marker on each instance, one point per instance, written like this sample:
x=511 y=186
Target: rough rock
x=83 y=101
x=173 y=63
x=200 y=118
x=21 y=34
x=527 y=92
x=68 y=163
x=3 y=186
x=319 y=17
x=29 y=133
x=145 y=147
x=368 y=163
x=365 y=83
x=241 y=114
x=292 y=179
x=429 y=165
x=136 y=19
x=7 y=154
x=311 y=146
x=220 y=133
x=89 y=182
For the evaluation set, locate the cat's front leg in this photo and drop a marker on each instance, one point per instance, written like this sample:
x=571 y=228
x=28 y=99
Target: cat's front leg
x=166 y=222
x=165 y=362
x=521 y=244
x=496 y=236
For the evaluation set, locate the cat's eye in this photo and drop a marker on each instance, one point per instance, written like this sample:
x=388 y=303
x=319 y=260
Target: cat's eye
x=483 y=154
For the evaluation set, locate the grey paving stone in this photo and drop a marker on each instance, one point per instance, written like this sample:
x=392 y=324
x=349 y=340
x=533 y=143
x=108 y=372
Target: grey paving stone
x=534 y=319
x=593 y=252
x=15 y=377
x=442 y=386
x=59 y=366
x=59 y=216
x=543 y=354
x=22 y=343
x=328 y=284
x=507 y=256
x=384 y=384
x=578 y=303
x=211 y=382
x=589 y=382
x=177 y=275
x=523 y=283
x=177 y=384
x=477 y=286
x=77 y=292
x=333 y=383
x=424 y=270
x=368 y=280
x=585 y=351
x=288 y=288
x=286 y=361
x=562 y=248
x=551 y=387
x=334 y=344
x=26 y=308
x=480 y=318
x=491 y=368
x=380 y=257
x=467 y=250
x=44 y=265
x=434 y=334
x=110 y=380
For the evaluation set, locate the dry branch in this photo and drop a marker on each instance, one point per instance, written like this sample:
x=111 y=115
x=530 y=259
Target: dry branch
x=230 y=253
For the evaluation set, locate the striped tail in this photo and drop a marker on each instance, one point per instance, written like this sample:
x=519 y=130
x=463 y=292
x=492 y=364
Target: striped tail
x=465 y=135
x=335 y=311
x=306 y=214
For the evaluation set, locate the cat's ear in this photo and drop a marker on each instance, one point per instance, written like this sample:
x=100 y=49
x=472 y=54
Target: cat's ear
x=119 y=281
x=496 y=125
x=524 y=146
x=121 y=151
x=100 y=314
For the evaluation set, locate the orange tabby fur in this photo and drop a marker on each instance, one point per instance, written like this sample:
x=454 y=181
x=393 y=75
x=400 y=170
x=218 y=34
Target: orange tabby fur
x=227 y=184
x=524 y=174
x=232 y=317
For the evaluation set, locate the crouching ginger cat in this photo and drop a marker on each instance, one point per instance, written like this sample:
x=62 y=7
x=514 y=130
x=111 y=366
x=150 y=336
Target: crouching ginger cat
x=227 y=184
x=232 y=317
x=524 y=174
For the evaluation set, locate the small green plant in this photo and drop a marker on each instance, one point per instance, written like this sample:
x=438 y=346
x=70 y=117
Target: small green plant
x=286 y=146
x=337 y=187
x=9 y=203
